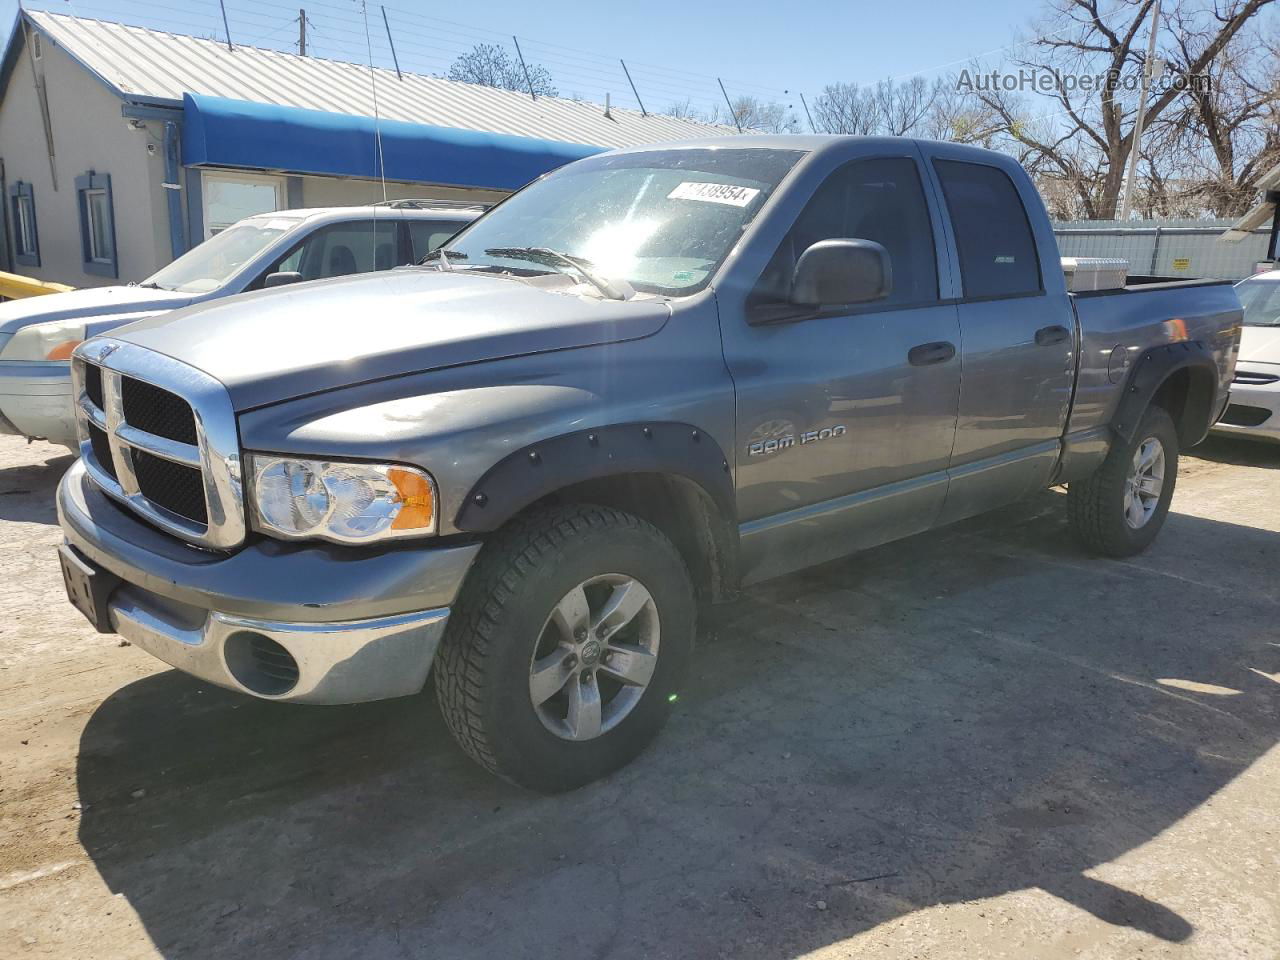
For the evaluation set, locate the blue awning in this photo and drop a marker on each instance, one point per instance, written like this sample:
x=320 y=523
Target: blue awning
x=239 y=133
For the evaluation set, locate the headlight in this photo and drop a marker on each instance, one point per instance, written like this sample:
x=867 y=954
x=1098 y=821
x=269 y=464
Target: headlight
x=53 y=340
x=343 y=502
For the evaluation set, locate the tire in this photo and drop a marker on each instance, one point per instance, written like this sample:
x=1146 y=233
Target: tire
x=514 y=614
x=1099 y=509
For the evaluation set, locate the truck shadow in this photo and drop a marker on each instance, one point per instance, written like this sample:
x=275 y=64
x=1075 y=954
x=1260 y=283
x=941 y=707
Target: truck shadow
x=1241 y=453
x=953 y=717
x=27 y=490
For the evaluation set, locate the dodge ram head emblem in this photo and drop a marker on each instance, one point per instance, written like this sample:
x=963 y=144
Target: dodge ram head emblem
x=777 y=444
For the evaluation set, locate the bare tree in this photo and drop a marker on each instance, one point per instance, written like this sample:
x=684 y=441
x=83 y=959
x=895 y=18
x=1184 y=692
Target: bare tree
x=765 y=116
x=902 y=108
x=490 y=65
x=1089 y=141
x=1225 y=132
x=685 y=110
x=846 y=108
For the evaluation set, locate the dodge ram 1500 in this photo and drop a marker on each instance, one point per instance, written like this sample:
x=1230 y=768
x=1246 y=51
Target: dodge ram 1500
x=648 y=380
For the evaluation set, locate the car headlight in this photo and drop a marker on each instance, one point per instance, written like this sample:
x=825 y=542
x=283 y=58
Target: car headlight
x=343 y=502
x=52 y=340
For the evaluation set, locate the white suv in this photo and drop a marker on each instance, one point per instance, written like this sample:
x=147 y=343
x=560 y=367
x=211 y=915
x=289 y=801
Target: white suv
x=37 y=335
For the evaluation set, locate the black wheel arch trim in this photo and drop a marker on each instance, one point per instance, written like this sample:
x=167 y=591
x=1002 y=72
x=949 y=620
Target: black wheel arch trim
x=1154 y=368
x=543 y=468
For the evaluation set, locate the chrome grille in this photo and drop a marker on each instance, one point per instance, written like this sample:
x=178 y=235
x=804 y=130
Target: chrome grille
x=160 y=436
x=157 y=411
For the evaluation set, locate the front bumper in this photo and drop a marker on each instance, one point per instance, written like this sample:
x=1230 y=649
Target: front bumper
x=35 y=401
x=1254 y=410
x=357 y=624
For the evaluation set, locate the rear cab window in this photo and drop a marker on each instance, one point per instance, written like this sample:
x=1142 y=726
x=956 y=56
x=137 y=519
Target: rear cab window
x=997 y=250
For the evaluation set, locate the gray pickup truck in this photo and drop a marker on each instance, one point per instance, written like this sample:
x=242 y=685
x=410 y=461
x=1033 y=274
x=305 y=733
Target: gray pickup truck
x=649 y=380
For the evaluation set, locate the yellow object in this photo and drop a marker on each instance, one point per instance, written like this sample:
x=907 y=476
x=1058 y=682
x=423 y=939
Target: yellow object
x=1182 y=263
x=418 y=498
x=16 y=287
x=63 y=350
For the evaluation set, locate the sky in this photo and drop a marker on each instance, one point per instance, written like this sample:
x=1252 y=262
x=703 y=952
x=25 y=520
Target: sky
x=675 y=49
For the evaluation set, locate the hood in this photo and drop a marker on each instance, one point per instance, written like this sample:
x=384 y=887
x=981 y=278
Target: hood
x=1259 y=345
x=278 y=344
x=93 y=303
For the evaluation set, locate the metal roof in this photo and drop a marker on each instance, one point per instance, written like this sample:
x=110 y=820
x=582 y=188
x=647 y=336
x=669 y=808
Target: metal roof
x=149 y=66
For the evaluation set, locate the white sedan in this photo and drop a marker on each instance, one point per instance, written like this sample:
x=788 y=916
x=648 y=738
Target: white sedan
x=38 y=335
x=1254 y=411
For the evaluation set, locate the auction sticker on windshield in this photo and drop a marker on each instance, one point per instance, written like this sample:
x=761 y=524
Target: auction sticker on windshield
x=727 y=193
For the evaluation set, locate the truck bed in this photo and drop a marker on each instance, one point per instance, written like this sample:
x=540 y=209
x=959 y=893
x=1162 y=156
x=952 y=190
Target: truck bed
x=1115 y=326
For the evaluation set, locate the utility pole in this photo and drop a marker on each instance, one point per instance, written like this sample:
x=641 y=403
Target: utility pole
x=302 y=33
x=1148 y=67
x=226 y=28
x=643 y=112
x=732 y=113
x=523 y=67
x=392 y=44
x=804 y=103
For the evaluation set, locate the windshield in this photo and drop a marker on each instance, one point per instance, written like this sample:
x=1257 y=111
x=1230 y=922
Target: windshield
x=661 y=220
x=1261 y=302
x=218 y=259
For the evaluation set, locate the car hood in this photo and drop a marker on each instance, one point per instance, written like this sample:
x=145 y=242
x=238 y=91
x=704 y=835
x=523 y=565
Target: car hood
x=1260 y=345
x=93 y=303
x=278 y=344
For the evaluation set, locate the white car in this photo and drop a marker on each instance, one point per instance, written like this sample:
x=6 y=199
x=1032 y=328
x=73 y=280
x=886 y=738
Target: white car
x=37 y=335
x=1254 y=411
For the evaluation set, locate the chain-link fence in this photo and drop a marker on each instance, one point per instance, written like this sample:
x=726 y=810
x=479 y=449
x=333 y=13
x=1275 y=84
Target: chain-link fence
x=1190 y=249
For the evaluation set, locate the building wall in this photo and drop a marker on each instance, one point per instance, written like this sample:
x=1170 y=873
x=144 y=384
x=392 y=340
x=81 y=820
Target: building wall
x=342 y=192
x=89 y=133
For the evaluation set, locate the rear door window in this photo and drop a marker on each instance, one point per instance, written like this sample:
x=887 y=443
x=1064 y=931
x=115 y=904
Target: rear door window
x=361 y=246
x=426 y=235
x=993 y=235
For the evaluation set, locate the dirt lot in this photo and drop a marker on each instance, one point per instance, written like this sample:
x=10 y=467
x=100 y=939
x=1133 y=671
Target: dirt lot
x=977 y=743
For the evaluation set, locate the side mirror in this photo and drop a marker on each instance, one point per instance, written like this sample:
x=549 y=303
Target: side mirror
x=835 y=272
x=282 y=279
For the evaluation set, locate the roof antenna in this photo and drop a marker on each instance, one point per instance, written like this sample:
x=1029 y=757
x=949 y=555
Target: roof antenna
x=373 y=84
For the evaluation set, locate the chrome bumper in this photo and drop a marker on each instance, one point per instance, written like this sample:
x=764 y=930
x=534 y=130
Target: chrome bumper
x=35 y=401
x=1256 y=405
x=356 y=624
x=346 y=662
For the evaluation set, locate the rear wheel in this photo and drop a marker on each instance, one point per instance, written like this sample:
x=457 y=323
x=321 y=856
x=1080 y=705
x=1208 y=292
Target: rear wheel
x=1119 y=509
x=566 y=647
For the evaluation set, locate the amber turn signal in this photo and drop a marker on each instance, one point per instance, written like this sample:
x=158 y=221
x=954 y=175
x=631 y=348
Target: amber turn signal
x=417 y=497
x=63 y=350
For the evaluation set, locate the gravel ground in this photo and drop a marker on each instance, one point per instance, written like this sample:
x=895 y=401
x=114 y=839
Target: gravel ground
x=976 y=743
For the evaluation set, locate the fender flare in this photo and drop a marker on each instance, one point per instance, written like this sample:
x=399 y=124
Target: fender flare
x=1149 y=374
x=542 y=468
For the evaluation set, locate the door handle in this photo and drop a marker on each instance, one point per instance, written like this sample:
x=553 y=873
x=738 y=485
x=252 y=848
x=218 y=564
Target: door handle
x=928 y=353
x=1056 y=333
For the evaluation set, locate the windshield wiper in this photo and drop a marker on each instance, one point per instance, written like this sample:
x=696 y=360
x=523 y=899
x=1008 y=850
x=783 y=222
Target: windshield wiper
x=554 y=258
x=446 y=262
x=152 y=286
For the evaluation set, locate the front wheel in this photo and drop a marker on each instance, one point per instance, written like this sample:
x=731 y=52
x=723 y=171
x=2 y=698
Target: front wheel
x=566 y=647
x=1119 y=509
